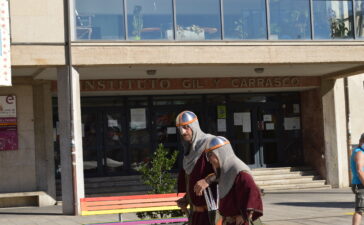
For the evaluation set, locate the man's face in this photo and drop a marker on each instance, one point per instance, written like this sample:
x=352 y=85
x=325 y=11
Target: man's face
x=186 y=133
x=215 y=163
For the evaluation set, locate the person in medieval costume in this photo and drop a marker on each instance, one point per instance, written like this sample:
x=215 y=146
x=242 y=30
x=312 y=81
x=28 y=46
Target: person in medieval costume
x=240 y=200
x=197 y=174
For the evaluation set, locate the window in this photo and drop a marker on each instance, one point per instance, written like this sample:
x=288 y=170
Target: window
x=197 y=20
x=149 y=19
x=332 y=19
x=245 y=19
x=289 y=19
x=359 y=18
x=99 y=20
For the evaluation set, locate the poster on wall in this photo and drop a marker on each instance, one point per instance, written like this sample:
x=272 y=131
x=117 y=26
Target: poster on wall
x=8 y=123
x=138 y=119
x=246 y=121
x=5 y=64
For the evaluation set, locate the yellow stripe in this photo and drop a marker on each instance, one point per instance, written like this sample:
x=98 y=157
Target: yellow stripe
x=350 y=213
x=101 y=212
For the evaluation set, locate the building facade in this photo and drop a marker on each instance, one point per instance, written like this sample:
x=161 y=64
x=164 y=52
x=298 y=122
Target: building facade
x=280 y=79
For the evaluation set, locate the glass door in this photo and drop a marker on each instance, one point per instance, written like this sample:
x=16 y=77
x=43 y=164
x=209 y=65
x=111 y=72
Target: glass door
x=104 y=145
x=243 y=133
x=268 y=126
x=254 y=133
x=114 y=148
x=91 y=142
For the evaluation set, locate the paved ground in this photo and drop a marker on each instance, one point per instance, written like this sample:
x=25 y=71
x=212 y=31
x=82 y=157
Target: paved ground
x=280 y=208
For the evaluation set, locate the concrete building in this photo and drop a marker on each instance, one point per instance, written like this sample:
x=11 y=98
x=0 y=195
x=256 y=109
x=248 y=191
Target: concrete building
x=98 y=85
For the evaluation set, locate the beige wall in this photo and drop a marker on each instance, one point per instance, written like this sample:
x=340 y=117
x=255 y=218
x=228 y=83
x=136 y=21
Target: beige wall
x=36 y=21
x=43 y=128
x=336 y=154
x=356 y=99
x=17 y=168
x=313 y=130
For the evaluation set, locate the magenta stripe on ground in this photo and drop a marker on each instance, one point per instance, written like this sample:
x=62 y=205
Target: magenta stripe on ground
x=173 y=220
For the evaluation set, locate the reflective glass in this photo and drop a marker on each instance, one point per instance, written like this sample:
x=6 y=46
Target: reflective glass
x=332 y=19
x=270 y=152
x=114 y=145
x=244 y=19
x=359 y=18
x=149 y=19
x=99 y=20
x=289 y=19
x=89 y=142
x=165 y=125
x=197 y=20
x=245 y=152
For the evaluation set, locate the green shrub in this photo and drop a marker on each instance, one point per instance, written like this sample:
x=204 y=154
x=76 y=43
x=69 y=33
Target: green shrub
x=157 y=175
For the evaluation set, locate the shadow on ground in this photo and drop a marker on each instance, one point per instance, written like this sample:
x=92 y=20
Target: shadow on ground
x=32 y=213
x=349 y=205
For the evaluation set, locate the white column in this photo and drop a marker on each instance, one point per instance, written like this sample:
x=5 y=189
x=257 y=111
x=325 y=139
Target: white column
x=336 y=158
x=69 y=113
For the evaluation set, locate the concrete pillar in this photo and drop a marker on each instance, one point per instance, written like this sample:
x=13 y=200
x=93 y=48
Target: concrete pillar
x=356 y=96
x=336 y=158
x=44 y=150
x=69 y=113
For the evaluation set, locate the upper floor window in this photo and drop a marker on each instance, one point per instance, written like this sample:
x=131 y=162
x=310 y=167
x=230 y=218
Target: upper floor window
x=197 y=20
x=149 y=19
x=244 y=19
x=359 y=18
x=333 y=19
x=98 y=20
x=289 y=19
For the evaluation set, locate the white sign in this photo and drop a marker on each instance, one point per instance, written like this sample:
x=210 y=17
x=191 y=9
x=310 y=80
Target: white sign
x=171 y=130
x=296 y=108
x=112 y=123
x=292 y=123
x=5 y=63
x=7 y=106
x=238 y=119
x=269 y=126
x=267 y=118
x=247 y=128
x=138 y=119
x=221 y=125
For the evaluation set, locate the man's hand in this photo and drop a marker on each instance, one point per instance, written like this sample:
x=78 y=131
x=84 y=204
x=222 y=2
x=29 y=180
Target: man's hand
x=250 y=215
x=239 y=220
x=200 y=186
x=182 y=203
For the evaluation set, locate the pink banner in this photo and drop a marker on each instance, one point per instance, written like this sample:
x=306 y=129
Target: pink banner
x=8 y=123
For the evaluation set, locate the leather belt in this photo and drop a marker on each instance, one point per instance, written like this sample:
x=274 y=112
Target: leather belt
x=199 y=208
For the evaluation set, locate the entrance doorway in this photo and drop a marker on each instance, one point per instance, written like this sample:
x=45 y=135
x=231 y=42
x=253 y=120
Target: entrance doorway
x=255 y=131
x=122 y=132
x=104 y=142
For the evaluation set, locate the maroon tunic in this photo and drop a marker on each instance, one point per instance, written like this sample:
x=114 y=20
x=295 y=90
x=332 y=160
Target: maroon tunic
x=200 y=171
x=243 y=195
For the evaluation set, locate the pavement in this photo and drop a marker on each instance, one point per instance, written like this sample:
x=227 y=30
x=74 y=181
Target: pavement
x=330 y=206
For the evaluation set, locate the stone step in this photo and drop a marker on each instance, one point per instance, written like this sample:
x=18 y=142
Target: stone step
x=285 y=187
x=284 y=176
x=280 y=170
x=269 y=179
x=299 y=180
